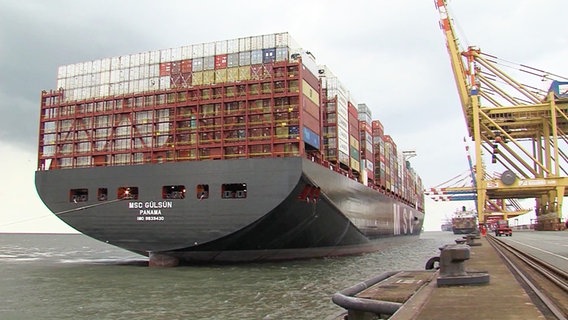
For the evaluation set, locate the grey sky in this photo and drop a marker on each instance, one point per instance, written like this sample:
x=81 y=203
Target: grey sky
x=390 y=54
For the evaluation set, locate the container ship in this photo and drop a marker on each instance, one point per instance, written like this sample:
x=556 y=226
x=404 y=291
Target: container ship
x=464 y=221
x=230 y=151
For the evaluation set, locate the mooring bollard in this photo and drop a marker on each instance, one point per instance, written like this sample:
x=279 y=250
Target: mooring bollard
x=470 y=240
x=452 y=267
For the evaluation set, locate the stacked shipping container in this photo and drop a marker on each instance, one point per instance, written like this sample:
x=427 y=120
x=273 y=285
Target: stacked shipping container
x=257 y=96
x=366 y=139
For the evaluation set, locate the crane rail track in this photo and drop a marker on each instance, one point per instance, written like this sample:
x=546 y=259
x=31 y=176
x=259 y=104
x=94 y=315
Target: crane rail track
x=545 y=283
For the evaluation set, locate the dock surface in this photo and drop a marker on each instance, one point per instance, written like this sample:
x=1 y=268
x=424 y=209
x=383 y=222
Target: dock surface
x=502 y=298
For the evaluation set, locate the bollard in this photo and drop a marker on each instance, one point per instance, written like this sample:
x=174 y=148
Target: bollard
x=452 y=267
x=470 y=240
x=452 y=260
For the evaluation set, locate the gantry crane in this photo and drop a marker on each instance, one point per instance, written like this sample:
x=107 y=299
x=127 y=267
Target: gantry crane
x=523 y=128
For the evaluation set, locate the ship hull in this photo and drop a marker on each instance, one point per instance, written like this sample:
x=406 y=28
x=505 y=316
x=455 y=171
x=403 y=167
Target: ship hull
x=294 y=208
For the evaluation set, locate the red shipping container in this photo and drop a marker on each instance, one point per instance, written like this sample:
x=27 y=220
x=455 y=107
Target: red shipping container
x=186 y=66
x=353 y=111
x=176 y=67
x=376 y=124
x=221 y=61
x=165 y=69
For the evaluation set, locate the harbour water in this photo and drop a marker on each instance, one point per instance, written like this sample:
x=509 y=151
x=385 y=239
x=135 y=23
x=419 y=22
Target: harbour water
x=70 y=276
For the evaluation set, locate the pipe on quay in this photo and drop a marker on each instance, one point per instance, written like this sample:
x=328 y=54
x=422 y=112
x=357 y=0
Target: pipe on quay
x=347 y=300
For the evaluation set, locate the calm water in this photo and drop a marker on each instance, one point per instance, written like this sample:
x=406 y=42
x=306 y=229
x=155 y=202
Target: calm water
x=74 y=277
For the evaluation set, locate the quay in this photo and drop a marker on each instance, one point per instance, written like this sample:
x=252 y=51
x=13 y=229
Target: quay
x=502 y=297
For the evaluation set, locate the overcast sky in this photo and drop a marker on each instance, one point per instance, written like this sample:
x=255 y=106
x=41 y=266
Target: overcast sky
x=390 y=54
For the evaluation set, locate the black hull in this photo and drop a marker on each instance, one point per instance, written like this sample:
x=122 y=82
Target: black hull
x=276 y=221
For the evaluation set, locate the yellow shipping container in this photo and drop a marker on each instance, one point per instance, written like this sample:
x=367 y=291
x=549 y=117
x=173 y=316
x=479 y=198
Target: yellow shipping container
x=197 y=78
x=354 y=142
x=282 y=132
x=233 y=74
x=221 y=76
x=244 y=73
x=310 y=92
x=355 y=164
x=209 y=77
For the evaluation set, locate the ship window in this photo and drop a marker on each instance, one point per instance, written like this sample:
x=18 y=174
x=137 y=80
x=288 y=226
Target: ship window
x=127 y=193
x=102 y=194
x=234 y=190
x=202 y=191
x=78 y=195
x=173 y=192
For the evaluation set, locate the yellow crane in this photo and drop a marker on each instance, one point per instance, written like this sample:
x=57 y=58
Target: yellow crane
x=523 y=129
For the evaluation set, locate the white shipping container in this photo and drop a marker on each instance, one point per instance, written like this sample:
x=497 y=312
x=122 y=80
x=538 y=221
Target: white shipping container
x=115 y=63
x=114 y=76
x=268 y=41
x=142 y=85
x=144 y=58
x=62 y=72
x=104 y=90
x=197 y=64
x=244 y=44
x=154 y=57
x=244 y=58
x=176 y=54
x=281 y=39
x=153 y=71
x=134 y=60
x=343 y=146
x=123 y=87
x=220 y=47
x=154 y=83
x=94 y=92
x=133 y=86
x=197 y=50
x=123 y=75
x=165 y=55
x=78 y=81
x=233 y=46
x=70 y=83
x=209 y=49
x=70 y=71
x=104 y=77
x=114 y=89
x=209 y=63
x=85 y=93
x=78 y=67
x=186 y=53
x=88 y=67
x=61 y=83
x=256 y=42
x=281 y=54
x=95 y=79
x=310 y=63
x=134 y=73
x=105 y=64
x=256 y=57
x=232 y=60
x=342 y=106
x=124 y=62
x=164 y=83
x=96 y=67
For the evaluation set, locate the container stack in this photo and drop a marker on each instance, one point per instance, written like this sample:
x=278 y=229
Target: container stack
x=182 y=67
x=259 y=96
x=366 y=139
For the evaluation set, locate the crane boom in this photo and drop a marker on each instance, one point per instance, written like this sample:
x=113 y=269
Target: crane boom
x=458 y=68
x=522 y=127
